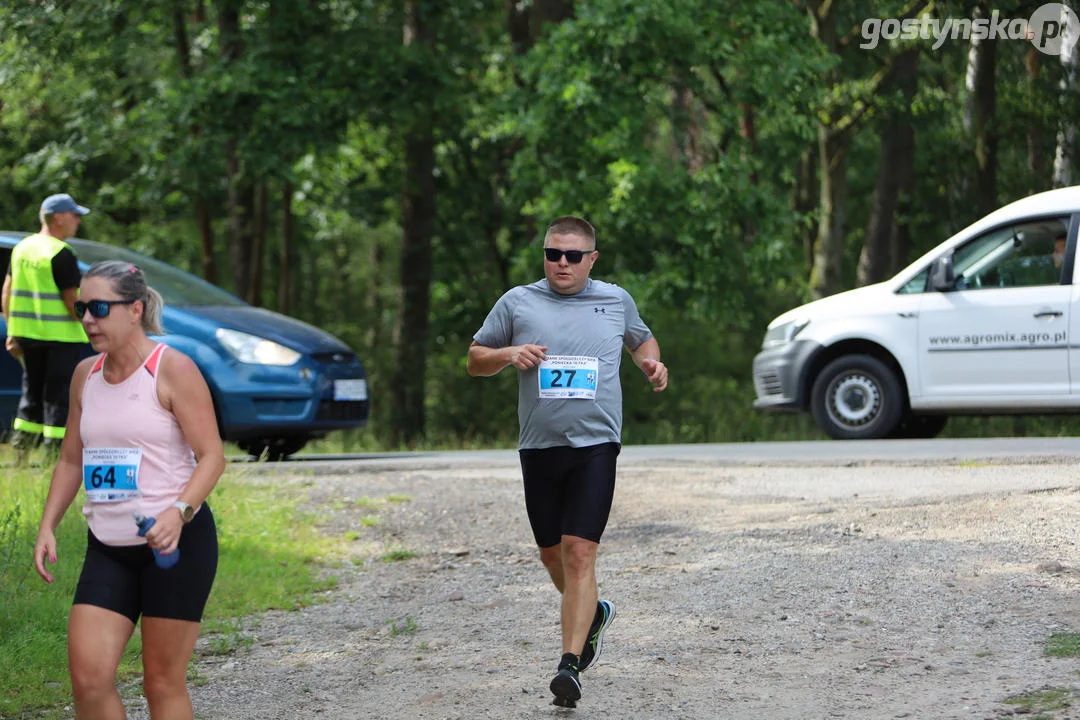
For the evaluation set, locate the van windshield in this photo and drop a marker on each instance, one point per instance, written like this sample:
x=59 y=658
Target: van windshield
x=176 y=286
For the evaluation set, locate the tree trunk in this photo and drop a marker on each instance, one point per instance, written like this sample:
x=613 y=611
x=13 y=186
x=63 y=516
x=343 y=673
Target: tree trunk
x=1066 y=137
x=206 y=237
x=545 y=12
x=900 y=238
x=258 y=243
x=418 y=222
x=828 y=252
x=238 y=206
x=825 y=276
x=239 y=188
x=1035 y=161
x=748 y=131
x=806 y=200
x=285 y=257
x=517 y=19
x=375 y=335
x=982 y=62
x=418 y=215
x=896 y=165
x=203 y=219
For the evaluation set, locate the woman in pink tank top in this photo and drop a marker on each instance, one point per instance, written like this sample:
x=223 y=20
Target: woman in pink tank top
x=141 y=438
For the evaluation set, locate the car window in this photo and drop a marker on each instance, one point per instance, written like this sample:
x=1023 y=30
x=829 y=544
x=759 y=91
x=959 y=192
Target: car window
x=1022 y=255
x=916 y=284
x=176 y=286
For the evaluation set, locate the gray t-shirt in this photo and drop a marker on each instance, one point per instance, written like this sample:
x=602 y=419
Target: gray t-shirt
x=575 y=398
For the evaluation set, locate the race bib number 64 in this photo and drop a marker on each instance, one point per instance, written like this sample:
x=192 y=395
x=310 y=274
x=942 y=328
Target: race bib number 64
x=569 y=376
x=111 y=474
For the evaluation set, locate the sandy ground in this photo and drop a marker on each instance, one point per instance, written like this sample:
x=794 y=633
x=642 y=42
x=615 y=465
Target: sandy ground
x=735 y=600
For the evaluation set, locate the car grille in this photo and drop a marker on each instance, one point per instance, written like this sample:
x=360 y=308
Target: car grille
x=342 y=411
x=335 y=358
x=769 y=384
x=281 y=408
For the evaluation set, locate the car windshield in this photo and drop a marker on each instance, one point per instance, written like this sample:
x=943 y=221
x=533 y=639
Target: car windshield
x=176 y=286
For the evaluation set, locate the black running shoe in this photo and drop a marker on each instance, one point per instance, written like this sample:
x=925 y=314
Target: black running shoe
x=594 y=643
x=566 y=687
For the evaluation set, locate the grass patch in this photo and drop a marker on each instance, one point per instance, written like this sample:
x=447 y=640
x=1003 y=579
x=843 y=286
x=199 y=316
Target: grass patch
x=1063 y=645
x=271 y=557
x=407 y=627
x=1041 y=701
x=397 y=556
x=227 y=641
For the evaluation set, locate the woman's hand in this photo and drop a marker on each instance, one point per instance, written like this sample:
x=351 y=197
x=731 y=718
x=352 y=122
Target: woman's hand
x=165 y=535
x=45 y=547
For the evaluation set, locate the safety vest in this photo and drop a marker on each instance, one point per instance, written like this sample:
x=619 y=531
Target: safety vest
x=35 y=309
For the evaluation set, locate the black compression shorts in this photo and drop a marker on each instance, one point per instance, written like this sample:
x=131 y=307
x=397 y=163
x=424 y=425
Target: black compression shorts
x=125 y=579
x=568 y=491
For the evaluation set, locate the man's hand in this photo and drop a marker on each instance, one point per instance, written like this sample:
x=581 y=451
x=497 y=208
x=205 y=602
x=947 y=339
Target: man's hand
x=524 y=357
x=655 y=372
x=12 y=346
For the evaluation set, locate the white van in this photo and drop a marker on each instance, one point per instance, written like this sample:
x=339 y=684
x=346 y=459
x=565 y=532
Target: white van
x=981 y=324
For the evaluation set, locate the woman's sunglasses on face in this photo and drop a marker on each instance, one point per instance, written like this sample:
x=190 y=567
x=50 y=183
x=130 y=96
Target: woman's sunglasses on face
x=97 y=308
x=572 y=256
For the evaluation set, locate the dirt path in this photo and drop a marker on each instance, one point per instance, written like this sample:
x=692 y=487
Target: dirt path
x=731 y=604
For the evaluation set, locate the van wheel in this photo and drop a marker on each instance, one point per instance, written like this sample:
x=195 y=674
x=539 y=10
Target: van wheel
x=856 y=397
x=919 y=426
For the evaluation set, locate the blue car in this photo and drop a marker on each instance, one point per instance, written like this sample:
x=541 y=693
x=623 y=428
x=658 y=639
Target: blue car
x=277 y=382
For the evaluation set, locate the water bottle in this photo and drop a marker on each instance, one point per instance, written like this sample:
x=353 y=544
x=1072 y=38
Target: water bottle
x=163 y=561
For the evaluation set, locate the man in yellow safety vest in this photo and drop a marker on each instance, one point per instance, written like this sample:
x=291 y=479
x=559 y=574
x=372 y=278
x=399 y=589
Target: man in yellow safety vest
x=38 y=300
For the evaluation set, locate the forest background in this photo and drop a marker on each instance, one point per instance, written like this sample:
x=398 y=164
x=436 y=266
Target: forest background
x=384 y=169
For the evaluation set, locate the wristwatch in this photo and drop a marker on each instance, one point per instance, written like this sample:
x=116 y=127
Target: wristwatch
x=186 y=511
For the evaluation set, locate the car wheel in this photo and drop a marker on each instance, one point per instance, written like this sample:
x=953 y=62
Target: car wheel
x=273 y=449
x=857 y=397
x=919 y=426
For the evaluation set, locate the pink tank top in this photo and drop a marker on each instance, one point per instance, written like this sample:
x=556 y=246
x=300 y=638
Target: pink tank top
x=136 y=445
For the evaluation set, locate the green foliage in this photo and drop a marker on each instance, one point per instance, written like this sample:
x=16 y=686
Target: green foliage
x=676 y=127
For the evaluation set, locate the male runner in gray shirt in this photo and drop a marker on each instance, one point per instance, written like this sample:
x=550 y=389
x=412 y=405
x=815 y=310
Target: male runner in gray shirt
x=565 y=336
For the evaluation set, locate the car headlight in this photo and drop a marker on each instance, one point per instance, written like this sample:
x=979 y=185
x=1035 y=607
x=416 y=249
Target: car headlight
x=255 y=350
x=783 y=333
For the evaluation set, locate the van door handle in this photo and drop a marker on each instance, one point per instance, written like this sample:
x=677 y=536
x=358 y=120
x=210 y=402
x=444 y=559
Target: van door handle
x=1049 y=313
x=908 y=314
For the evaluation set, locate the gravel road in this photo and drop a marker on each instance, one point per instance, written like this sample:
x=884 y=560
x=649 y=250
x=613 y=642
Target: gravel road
x=862 y=592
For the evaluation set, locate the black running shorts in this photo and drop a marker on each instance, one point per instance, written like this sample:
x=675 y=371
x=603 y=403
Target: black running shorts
x=568 y=491
x=126 y=580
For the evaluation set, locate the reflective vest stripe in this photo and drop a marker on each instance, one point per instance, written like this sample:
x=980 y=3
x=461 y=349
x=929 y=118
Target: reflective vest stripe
x=27 y=426
x=49 y=431
x=36 y=295
x=32 y=316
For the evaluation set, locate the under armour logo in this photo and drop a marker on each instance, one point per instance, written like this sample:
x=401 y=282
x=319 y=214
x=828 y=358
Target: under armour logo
x=600 y=310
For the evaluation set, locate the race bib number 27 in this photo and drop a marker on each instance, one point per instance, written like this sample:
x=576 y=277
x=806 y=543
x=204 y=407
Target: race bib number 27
x=569 y=376
x=111 y=474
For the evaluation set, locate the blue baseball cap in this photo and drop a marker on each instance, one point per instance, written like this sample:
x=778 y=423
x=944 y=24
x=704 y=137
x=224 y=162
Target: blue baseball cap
x=62 y=203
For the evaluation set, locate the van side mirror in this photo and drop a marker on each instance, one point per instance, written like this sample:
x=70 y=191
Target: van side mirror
x=942 y=278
